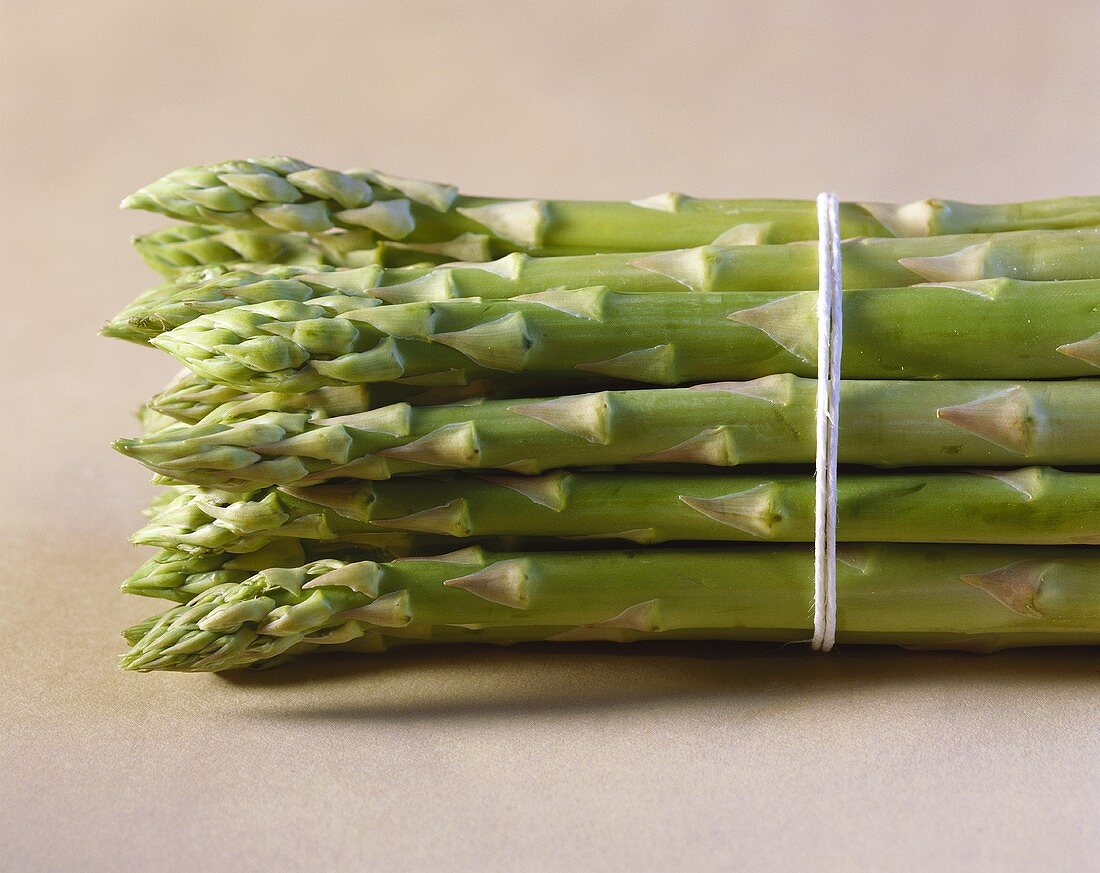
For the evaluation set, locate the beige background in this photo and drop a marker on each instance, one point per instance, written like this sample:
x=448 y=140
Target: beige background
x=586 y=757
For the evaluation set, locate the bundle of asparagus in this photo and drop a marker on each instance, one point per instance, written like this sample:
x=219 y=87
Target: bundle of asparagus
x=409 y=415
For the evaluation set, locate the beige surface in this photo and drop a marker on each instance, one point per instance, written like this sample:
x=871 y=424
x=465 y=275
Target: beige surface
x=691 y=758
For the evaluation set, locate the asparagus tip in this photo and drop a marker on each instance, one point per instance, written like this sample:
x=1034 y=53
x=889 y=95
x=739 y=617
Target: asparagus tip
x=137 y=200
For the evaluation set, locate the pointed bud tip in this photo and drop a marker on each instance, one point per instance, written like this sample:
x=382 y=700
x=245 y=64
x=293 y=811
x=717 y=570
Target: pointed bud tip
x=167 y=343
x=125 y=446
x=137 y=200
x=116 y=330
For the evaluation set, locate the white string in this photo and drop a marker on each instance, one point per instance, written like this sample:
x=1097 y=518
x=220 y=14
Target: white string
x=829 y=342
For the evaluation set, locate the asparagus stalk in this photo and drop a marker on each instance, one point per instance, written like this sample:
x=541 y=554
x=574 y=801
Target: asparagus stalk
x=768 y=420
x=993 y=328
x=285 y=194
x=868 y=263
x=984 y=597
x=1034 y=505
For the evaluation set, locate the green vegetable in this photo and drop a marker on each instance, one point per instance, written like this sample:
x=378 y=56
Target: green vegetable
x=969 y=597
x=989 y=329
x=769 y=420
x=285 y=194
x=1034 y=505
x=368 y=391
x=868 y=263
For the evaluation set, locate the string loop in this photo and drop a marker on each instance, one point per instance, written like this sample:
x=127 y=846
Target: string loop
x=829 y=343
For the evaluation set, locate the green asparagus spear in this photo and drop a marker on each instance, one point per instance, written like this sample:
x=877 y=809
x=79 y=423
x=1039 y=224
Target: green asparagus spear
x=868 y=263
x=1034 y=505
x=768 y=420
x=983 y=597
x=993 y=328
x=285 y=194
x=1034 y=255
